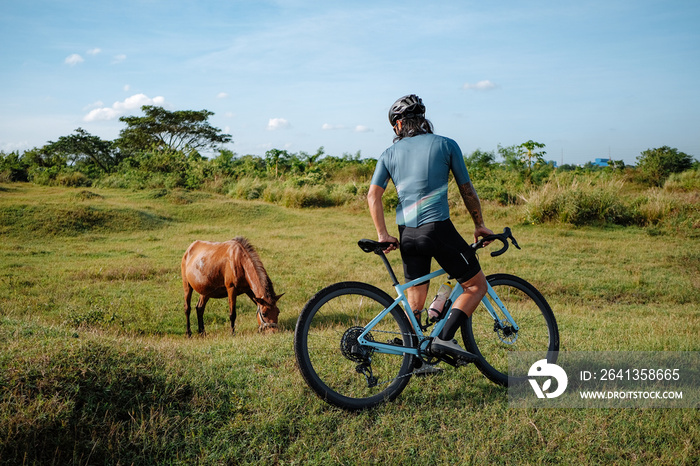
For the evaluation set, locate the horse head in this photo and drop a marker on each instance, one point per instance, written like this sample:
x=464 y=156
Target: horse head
x=268 y=313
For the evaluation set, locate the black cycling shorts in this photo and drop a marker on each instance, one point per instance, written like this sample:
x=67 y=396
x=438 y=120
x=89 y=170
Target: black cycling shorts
x=442 y=241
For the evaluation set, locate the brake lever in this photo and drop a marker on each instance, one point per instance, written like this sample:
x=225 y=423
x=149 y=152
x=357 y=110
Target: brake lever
x=509 y=234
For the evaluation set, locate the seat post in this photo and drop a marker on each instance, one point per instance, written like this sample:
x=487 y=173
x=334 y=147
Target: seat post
x=381 y=254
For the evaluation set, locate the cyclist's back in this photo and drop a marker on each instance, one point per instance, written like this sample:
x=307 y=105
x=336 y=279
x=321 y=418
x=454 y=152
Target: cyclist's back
x=419 y=167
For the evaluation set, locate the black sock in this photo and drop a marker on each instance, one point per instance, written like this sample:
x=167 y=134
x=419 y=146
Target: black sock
x=456 y=318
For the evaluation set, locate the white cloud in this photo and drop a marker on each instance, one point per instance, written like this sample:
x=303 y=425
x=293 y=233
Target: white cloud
x=94 y=51
x=484 y=85
x=74 y=59
x=127 y=87
x=329 y=127
x=277 y=123
x=119 y=58
x=221 y=95
x=97 y=104
x=13 y=146
x=120 y=108
x=363 y=129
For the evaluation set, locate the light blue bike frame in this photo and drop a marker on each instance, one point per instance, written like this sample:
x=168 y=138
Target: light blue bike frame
x=488 y=300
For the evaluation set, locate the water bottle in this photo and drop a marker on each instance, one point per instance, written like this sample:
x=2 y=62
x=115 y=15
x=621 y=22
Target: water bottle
x=437 y=308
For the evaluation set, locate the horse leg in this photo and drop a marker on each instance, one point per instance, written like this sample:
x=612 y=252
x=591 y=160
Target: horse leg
x=200 y=313
x=232 y=309
x=188 y=306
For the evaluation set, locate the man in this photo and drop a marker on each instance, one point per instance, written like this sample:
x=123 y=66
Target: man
x=419 y=163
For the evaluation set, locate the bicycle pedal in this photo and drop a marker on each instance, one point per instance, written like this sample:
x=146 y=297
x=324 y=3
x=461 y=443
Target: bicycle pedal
x=449 y=360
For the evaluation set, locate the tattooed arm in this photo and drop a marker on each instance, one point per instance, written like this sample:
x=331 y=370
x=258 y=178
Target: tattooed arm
x=473 y=205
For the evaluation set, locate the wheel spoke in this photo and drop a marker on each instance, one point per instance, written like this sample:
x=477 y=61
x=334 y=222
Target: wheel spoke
x=331 y=360
x=495 y=340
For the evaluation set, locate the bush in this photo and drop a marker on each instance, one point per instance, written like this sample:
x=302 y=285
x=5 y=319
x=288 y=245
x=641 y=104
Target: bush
x=74 y=179
x=308 y=196
x=13 y=167
x=656 y=165
x=247 y=189
x=502 y=186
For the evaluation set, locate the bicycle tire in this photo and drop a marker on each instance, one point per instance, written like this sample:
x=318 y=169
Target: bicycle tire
x=538 y=331
x=321 y=336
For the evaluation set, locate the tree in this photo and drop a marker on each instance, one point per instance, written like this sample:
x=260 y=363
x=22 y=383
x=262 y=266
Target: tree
x=84 y=149
x=480 y=159
x=616 y=164
x=479 y=162
x=529 y=152
x=657 y=164
x=13 y=167
x=511 y=157
x=182 y=130
x=277 y=159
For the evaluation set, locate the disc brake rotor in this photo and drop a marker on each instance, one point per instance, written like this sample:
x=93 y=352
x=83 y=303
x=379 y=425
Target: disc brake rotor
x=505 y=332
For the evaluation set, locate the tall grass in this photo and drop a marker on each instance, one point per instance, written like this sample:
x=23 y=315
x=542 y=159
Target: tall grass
x=609 y=201
x=580 y=203
x=95 y=367
x=297 y=193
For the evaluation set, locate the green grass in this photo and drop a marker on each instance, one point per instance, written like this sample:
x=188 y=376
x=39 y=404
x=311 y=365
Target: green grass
x=95 y=367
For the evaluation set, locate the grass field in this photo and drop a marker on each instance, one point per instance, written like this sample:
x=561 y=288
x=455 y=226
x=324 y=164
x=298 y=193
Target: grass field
x=95 y=367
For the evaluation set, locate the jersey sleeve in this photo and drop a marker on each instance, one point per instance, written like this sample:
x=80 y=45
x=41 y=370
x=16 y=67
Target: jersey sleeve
x=381 y=174
x=457 y=165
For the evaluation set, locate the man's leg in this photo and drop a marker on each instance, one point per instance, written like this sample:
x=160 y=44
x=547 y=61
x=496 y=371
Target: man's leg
x=474 y=289
x=416 y=296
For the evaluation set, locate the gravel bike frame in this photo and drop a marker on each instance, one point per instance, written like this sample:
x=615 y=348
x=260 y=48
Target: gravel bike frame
x=488 y=300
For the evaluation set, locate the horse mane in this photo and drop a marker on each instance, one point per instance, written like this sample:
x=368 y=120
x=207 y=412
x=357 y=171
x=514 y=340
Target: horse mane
x=257 y=264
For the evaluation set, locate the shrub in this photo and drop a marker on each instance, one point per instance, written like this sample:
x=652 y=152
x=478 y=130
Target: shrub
x=13 y=167
x=74 y=179
x=247 y=188
x=307 y=196
x=656 y=165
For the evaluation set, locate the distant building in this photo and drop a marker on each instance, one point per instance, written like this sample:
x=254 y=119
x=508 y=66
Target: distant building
x=601 y=162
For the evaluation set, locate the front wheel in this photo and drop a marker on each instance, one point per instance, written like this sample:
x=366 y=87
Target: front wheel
x=495 y=339
x=336 y=367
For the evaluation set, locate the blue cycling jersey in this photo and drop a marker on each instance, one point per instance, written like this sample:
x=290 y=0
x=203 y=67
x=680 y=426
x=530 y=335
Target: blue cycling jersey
x=419 y=166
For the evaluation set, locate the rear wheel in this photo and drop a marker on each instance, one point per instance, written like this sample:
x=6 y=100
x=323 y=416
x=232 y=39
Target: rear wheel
x=336 y=367
x=495 y=340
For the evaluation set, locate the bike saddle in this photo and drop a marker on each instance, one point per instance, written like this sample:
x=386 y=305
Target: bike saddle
x=368 y=245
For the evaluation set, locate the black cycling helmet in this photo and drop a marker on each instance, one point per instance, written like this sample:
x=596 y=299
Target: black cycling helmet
x=406 y=107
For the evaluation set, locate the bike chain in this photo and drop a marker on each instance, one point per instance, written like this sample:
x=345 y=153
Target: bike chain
x=424 y=360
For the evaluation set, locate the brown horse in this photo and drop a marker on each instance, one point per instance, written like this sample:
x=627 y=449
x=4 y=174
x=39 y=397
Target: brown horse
x=225 y=270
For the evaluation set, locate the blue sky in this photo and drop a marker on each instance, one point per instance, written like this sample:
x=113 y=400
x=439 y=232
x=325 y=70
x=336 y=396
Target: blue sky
x=588 y=79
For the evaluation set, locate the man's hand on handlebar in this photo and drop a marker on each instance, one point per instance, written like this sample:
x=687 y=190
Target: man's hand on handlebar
x=502 y=237
x=480 y=232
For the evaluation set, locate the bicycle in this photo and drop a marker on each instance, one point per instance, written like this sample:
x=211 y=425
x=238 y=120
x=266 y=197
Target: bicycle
x=356 y=347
